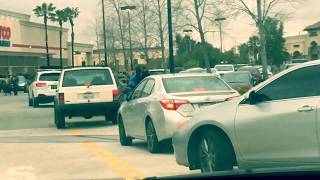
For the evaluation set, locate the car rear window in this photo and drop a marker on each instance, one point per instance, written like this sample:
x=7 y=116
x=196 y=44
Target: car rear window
x=96 y=77
x=236 y=78
x=224 y=68
x=49 y=77
x=194 y=84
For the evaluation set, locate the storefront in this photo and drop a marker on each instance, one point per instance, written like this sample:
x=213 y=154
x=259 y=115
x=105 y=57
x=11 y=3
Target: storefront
x=22 y=44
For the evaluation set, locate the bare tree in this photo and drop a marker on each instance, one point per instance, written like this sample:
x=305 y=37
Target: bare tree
x=259 y=11
x=114 y=10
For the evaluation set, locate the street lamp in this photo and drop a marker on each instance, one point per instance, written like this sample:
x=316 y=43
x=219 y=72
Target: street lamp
x=171 y=57
x=104 y=35
x=220 y=29
x=129 y=8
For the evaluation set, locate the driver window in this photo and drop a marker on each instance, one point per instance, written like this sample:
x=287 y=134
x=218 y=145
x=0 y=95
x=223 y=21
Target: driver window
x=289 y=85
x=138 y=90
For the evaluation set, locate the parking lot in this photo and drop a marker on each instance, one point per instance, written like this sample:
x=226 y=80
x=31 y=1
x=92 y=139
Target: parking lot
x=32 y=147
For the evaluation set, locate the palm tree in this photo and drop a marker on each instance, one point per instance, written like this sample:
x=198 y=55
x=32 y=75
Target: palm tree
x=60 y=16
x=45 y=10
x=72 y=13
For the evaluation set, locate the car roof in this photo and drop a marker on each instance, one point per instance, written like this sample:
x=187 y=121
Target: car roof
x=238 y=72
x=83 y=68
x=48 y=72
x=162 y=76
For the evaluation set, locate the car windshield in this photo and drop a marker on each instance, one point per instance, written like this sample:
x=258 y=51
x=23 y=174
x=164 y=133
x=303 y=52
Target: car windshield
x=194 y=84
x=224 y=68
x=49 y=77
x=236 y=78
x=21 y=78
x=83 y=76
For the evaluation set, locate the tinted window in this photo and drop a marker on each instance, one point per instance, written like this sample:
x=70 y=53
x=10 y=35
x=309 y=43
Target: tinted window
x=138 y=90
x=193 y=84
x=49 y=77
x=303 y=82
x=148 y=88
x=236 y=78
x=80 y=77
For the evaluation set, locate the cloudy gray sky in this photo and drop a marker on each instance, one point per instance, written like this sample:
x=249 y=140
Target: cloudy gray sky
x=237 y=31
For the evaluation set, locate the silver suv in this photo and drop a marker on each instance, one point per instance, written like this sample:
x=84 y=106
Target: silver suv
x=86 y=92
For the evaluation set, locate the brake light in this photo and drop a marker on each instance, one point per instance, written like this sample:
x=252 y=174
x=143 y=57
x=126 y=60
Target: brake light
x=41 y=84
x=230 y=98
x=115 y=93
x=173 y=104
x=61 y=97
x=88 y=84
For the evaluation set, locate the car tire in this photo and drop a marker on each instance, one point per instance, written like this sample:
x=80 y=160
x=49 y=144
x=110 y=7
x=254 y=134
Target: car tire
x=214 y=153
x=30 y=102
x=59 y=118
x=114 y=117
x=124 y=140
x=152 y=139
x=35 y=102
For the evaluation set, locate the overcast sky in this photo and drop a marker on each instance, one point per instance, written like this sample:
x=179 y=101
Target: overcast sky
x=237 y=31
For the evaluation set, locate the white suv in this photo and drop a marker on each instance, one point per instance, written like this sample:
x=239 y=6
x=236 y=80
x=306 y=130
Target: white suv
x=43 y=88
x=86 y=92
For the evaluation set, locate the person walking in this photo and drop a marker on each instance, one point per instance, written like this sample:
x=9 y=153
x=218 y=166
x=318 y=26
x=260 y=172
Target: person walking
x=7 y=88
x=14 y=82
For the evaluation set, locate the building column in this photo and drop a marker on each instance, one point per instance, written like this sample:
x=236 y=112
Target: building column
x=89 y=58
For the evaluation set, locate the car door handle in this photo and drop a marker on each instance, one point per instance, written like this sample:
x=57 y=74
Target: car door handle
x=306 y=108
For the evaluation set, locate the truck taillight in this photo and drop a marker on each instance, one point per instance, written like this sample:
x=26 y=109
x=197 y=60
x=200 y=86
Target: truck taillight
x=173 y=104
x=61 y=97
x=41 y=84
x=115 y=93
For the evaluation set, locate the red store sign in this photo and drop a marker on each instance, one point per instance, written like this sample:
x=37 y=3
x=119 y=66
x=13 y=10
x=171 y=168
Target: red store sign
x=5 y=35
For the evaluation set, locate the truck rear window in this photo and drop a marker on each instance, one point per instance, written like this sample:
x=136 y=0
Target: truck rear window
x=49 y=77
x=81 y=77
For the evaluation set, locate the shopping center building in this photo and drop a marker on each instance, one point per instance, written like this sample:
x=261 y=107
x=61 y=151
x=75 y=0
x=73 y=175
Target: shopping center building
x=22 y=45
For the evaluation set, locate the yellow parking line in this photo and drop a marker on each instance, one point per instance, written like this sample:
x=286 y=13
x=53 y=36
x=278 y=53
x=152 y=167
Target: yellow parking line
x=119 y=165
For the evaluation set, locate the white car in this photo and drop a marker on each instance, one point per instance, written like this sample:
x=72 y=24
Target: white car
x=160 y=103
x=224 y=68
x=43 y=88
x=275 y=124
x=86 y=92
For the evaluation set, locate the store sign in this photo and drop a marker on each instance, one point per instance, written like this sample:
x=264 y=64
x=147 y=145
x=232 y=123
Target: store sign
x=5 y=36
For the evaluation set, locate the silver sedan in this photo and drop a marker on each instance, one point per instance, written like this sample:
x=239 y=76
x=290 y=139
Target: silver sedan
x=161 y=103
x=275 y=124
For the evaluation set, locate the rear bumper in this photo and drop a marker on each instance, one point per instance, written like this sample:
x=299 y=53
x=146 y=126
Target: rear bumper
x=44 y=98
x=89 y=109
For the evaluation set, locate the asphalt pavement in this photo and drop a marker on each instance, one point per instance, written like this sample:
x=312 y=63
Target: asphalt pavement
x=32 y=148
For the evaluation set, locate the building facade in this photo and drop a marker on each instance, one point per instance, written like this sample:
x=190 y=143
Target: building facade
x=305 y=46
x=22 y=45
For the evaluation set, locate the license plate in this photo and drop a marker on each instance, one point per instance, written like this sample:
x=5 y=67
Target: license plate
x=88 y=96
x=53 y=86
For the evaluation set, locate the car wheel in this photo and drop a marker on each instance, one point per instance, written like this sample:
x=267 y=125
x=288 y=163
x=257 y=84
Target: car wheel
x=35 y=102
x=59 y=118
x=30 y=102
x=152 y=139
x=112 y=116
x=214 y=153
x=124 y=140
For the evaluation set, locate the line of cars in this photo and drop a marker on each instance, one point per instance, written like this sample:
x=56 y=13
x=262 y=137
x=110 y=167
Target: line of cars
x=211 y=126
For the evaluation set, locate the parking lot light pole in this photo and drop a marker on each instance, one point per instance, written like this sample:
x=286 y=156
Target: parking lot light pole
x=220 y=29
x=104 y=36
x=171 y=57
x=129 y=8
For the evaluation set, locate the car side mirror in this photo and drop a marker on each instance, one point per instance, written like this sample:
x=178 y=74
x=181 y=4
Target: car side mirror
x=252 y=98
x=255 y=98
